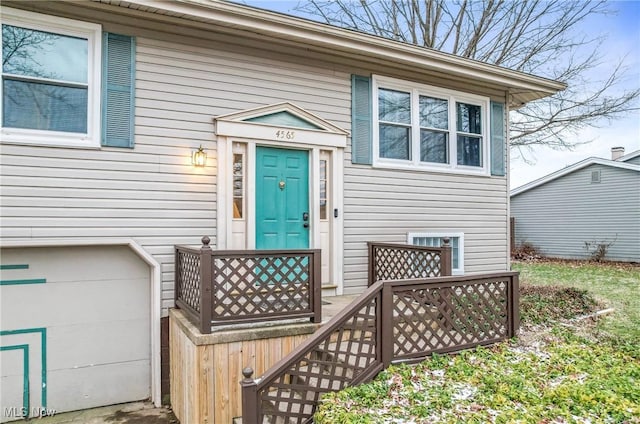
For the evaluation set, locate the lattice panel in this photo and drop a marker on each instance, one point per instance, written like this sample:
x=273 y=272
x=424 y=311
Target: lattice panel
x=188 y=279
x=249 y=286
x=398 y=263
x=330 y=365
x=434 y=319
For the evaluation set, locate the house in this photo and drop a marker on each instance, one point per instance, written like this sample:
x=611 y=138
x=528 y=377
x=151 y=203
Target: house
x=130 y=127
x=590 y=209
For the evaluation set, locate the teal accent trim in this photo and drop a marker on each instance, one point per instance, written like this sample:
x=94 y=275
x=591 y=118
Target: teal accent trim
x=118 y=90
x=43 y=356
x=498 y=140
x=361 y=120
x=14 y=267
x=22 y=282
x=284 y=118
x=25 y=373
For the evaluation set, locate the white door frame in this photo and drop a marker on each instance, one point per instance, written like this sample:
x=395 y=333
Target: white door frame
x=225 y=196
x=234 y=128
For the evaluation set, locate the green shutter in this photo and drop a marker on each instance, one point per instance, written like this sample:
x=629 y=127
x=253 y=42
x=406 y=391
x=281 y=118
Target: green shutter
x=498 y=144
x=361 y=123
x=118 y=79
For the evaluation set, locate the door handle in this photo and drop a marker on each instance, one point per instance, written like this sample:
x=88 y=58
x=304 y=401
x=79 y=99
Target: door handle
x=305 y=216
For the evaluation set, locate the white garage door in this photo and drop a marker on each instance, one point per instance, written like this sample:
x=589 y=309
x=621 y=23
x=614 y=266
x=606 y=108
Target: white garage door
x=74 y=329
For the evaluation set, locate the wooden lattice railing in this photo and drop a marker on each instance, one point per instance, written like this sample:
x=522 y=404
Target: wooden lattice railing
x=414 y=318
x=392 y=261
x=217 y=287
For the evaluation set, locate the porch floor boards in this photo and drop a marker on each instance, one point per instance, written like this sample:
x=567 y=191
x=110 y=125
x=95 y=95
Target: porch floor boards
x=335 y=305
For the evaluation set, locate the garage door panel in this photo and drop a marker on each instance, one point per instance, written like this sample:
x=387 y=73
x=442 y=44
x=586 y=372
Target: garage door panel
x=11 y=393
x=88 y=387
x=84 y=314
x=102 y=343
x=74 y=302
x=85 y=263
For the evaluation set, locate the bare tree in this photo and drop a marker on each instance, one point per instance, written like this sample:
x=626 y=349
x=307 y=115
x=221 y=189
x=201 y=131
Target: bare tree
x=533 y=36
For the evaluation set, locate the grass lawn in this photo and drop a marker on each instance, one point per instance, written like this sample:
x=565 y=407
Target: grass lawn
x=616 y=285
x=563 y=372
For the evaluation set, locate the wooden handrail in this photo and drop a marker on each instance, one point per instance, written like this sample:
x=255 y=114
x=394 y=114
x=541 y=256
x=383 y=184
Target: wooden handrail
x=383 y=259
x=216 y=287
x=468 y=300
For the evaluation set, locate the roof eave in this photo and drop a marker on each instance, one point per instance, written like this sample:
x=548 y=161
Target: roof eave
x=243 y=19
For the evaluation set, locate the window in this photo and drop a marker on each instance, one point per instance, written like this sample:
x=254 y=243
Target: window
x=435 y=240
x=323 y=189
x=50 y=79
x=428 y=127
x=238 y=185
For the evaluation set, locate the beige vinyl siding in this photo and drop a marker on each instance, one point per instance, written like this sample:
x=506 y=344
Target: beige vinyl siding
x=184 y=78
x=152 y=193
x=385 y=205
x=560 y=216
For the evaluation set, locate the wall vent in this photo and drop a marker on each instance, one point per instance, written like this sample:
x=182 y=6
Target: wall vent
x=595 y=176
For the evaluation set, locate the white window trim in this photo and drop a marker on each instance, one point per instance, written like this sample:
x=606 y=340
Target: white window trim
x=426 y=90
x=450 y=234
x=93 y=33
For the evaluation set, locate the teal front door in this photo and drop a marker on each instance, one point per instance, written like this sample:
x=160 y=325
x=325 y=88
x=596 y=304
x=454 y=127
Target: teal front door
x=282 y=198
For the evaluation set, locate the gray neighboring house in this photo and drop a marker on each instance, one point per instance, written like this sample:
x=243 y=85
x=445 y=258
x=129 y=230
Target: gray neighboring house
x=594 y=201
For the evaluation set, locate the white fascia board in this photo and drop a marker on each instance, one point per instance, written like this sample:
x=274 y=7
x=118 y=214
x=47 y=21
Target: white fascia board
x=261 y=131
x=628 y=156
x=283 y=107
x=306 y=32
x=569 y=169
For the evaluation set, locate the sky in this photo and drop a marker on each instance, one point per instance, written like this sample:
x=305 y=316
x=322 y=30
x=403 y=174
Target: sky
x=622 y=31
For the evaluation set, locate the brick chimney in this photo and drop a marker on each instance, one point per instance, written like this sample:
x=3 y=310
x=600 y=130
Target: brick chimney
x=617 y=152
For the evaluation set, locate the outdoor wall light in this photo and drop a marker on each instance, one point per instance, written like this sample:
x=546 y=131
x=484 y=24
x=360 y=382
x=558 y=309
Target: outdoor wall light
x=199 y=157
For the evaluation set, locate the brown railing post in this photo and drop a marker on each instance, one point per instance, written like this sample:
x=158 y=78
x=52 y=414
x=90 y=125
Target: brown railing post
x=250 y=407
x=386 y=318
x=176 y=272
x=445 y=259
x=371 y=264
x=316 y=286
x=206 y=286
x=515 y=306
x=446 y=292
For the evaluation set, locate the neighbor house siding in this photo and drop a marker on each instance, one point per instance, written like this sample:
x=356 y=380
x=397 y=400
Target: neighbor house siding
x=385 y=205
x=560 y=216
x=152 y=193
x=633 y=161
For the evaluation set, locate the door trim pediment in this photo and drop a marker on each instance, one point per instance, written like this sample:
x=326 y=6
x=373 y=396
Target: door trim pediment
x=260 y=124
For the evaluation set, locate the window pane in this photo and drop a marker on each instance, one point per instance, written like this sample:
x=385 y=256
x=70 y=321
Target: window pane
x=437 y=242
x=434 y=146
x=323 y=189
x=44 y=107
x=44 y=55
x=469 y=151
x=434 y=113
x=395 y=142
x=394 y=106
x=238 y=186
x=237 y=208
x=469 y=118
